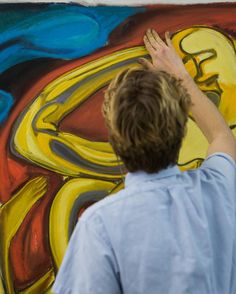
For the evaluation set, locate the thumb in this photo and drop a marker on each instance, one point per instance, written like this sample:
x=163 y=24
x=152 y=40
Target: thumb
x=145 y=63
x=168 y=40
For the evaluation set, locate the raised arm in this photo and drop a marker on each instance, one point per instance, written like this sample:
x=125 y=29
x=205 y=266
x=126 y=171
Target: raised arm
x=208 y=118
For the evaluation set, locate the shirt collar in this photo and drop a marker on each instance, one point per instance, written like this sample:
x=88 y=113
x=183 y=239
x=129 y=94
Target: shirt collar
x=141 y=176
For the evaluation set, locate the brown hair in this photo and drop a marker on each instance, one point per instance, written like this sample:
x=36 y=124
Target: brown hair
x=146 y=114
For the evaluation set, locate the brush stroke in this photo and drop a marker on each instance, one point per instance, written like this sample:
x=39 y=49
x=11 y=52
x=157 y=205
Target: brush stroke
x=37 y=32
x=32 y=263
x=119 y=2
x=55 y=31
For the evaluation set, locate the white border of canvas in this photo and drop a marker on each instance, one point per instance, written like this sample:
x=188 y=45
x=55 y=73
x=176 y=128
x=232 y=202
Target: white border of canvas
x=119 y=2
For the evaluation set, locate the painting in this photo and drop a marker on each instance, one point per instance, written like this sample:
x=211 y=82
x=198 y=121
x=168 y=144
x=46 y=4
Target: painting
x=56 y=61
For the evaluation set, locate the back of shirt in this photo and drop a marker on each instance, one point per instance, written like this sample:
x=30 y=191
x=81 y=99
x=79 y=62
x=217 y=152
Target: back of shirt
x=168 y=232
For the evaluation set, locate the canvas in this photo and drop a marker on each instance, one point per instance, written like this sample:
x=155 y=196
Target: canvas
x=56 y=61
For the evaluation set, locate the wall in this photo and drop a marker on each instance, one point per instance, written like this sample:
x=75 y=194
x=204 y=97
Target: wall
x=56 y=61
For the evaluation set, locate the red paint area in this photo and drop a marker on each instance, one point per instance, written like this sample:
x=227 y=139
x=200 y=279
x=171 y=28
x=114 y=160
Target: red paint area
x=18 y=173
x=29 y=252
x=88 y=118
x=173 y=18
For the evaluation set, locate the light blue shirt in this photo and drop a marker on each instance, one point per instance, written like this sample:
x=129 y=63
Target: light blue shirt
x=170 y=232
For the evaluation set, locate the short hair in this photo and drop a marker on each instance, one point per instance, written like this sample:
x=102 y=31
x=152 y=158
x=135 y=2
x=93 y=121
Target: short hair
x=146 y=112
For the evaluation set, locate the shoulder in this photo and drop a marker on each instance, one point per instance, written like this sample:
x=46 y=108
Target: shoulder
x=215 y=180
x=218 y=161
x=221 y=166
x=218 y=165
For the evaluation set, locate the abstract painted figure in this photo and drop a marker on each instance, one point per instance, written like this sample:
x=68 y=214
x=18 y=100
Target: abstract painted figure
x=55 y=157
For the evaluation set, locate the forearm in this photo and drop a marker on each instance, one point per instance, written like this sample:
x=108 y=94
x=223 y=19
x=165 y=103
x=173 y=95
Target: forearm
x=204 y=112
x=209 y=120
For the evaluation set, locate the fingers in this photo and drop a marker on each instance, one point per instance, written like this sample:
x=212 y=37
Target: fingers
x=150 y=41
x=157 y=38
x=154 y=41
x=151 y=37
x=145 y=63
x=149 y=45
x=168 y=39
x=163 y=54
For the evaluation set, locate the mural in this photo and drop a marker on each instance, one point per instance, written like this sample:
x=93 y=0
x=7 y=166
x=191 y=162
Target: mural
x=55 y=159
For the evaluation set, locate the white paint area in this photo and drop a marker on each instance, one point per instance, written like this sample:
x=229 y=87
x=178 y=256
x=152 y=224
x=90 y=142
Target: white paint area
x=119 y=2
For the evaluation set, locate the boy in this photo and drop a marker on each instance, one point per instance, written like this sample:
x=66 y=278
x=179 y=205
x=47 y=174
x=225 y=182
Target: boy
x=167 y=231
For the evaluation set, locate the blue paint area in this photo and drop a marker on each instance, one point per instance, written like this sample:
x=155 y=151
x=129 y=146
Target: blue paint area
x=53 y=30
x=6 y=102
x=56 y=31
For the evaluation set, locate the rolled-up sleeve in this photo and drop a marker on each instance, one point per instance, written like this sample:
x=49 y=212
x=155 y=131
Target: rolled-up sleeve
x=89 y=266
x=222 y=168
x=220 y=162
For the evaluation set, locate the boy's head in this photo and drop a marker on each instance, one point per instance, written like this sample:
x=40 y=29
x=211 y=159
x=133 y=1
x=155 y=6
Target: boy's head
x=146 y=114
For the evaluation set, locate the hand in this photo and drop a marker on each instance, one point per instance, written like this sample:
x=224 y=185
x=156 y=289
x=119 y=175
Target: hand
x=164 y=56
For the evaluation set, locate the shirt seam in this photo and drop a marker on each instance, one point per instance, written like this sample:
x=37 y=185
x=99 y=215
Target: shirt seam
x=221 y=154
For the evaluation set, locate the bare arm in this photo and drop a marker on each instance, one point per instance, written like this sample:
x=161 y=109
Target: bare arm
x=206 y=115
